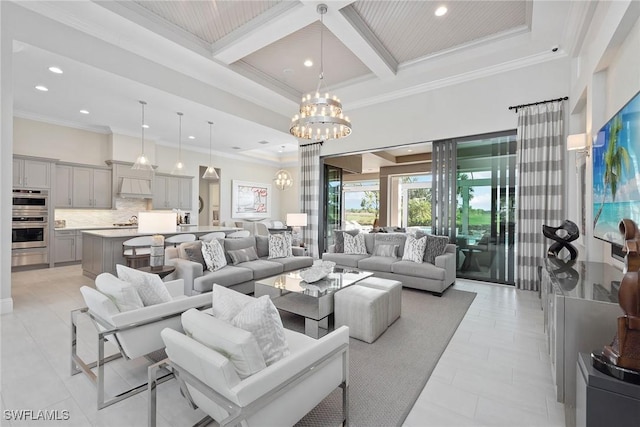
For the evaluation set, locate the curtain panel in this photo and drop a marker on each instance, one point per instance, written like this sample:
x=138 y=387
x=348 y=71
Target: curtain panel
x=310 y=194
x=444 y=185
x=540 y=185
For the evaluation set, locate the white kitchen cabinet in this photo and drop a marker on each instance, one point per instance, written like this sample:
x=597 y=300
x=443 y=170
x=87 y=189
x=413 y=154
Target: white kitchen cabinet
x=64 y=186
x=65 y=246
x=30 y=173
x=90 y=187
x=171 y=192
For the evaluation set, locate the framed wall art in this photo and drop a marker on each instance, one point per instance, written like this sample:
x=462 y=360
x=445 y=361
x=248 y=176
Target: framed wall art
x=250 y=200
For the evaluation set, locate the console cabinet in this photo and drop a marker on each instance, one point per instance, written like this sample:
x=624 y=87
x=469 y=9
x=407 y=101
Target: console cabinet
x=172 y=192
x=580 y=305
x=31 y=173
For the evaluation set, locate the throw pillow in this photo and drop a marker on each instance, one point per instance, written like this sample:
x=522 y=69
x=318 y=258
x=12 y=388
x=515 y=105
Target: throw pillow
x=414 y=249
x=226 y=303
x=149 y=286
x=261 y=318
x=194 y=253
x=338 y=239
x=123 y=294
x=213 y=255
x=280 y=245
x=386 y=250
x=243 y=255
x=436 y=245
x=238 y=345
x=354 y=245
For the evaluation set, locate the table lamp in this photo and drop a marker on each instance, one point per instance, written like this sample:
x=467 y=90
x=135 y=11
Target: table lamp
x=296 y=221
x=156 y=222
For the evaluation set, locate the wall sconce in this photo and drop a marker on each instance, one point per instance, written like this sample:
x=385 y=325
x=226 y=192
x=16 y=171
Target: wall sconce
x=578 y=142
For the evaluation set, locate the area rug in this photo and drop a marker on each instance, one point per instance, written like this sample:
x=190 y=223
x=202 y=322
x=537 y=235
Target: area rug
x=386 y=377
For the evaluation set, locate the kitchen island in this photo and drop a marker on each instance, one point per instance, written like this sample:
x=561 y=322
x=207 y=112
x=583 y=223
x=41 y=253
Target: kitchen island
x=102 y=249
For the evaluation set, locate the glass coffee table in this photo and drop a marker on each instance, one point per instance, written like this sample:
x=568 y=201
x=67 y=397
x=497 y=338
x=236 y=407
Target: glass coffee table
x=313 y=301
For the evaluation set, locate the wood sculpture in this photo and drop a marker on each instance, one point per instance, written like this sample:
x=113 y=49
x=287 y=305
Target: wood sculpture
x=624 y=351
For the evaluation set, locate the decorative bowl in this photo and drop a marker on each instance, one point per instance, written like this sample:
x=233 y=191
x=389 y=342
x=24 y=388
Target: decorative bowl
x=313 y=274
x=325 y=265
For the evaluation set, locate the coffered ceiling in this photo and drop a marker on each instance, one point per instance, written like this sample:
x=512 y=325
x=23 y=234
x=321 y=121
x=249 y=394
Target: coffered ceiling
x=241 y=63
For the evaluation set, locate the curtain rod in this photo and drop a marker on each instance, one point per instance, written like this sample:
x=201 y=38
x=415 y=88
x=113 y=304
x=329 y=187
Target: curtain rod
x=312 y=143
x=537 y=103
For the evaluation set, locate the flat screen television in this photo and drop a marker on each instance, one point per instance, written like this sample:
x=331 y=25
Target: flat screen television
x=616 y=172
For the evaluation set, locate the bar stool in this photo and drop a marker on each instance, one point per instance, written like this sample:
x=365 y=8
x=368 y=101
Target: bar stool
x=215 y=235
x=179 y=238
x=137 y=251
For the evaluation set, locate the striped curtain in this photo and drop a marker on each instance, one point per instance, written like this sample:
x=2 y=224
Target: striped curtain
x=444 y=166
x=540 y=186
x=310 y=193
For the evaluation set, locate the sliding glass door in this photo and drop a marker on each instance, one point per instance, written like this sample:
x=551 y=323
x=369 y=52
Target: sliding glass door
x=485 y=217
x=332 y=204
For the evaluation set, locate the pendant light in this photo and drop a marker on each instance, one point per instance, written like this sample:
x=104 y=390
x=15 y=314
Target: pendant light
x=142 y=163
x=178 y=168
x=320 y=117
x=210 y=173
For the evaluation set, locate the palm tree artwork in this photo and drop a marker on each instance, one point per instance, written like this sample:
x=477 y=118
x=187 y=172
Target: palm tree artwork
x=614 y=158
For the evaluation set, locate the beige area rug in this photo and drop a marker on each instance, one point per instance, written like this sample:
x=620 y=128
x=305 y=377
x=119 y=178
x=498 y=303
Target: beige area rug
x=386 y=377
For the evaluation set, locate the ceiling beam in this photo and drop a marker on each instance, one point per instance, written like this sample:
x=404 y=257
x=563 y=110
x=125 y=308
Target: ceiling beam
x=413 y=158
x=349 y=27
x=278 y=22
x=384 y=155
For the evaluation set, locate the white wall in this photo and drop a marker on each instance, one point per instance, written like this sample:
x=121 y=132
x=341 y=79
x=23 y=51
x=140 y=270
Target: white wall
x=469 y=108
x=606 y=76
x=49 y=140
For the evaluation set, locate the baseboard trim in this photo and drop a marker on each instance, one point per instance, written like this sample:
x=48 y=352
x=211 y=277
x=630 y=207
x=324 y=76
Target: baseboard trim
x=6 y=305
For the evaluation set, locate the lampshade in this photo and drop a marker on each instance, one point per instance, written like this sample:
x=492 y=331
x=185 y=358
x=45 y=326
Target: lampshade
x=297 y=219
x=577 y=141
x=142 y=163
x=210 y=173
x=283 y=179
x=321 y=117
x=156 y=222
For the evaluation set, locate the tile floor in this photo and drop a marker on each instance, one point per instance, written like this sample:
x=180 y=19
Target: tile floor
x=495 y=371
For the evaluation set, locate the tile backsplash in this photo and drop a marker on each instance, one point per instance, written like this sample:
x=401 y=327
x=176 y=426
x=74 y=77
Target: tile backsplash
x=125 y=209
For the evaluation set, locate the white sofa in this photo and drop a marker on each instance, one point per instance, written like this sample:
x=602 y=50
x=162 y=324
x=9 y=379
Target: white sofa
x=279 y=394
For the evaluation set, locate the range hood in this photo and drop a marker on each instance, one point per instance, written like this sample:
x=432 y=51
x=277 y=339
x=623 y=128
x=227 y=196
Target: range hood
x=135 y=188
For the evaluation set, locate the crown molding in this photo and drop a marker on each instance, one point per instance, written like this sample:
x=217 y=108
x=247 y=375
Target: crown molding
x=105 y=130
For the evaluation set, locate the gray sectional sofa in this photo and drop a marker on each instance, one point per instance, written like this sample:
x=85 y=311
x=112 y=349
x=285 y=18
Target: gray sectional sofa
x=240 y=277
x=434 y=277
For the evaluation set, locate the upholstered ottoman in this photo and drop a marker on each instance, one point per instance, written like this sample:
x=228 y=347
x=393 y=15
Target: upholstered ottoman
x=394 y=288
x=364 y=310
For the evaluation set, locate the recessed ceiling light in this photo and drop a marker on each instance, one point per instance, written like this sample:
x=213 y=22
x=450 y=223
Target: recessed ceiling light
x=409 y=150
x=42 y=88
x=441 y=11
x=145 y=126
x=55 y=70
x=308 y=63
x=84 y=112
x=192 y=137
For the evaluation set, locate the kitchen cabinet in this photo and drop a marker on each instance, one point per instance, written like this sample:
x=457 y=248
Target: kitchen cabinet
x=172 y=192
x=31 y=173
x=67 y=246
x=64 y=186
x=83 y=187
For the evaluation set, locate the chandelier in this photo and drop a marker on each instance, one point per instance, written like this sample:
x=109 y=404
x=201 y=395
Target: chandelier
x=321 y=116
x=210 y=173
x=283 y=179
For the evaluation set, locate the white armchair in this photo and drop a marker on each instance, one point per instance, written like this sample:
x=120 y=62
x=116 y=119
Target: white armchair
x=277 y=395
x=135 y=332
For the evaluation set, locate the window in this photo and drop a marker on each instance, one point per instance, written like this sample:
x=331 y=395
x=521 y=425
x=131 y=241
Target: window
x=361 y=204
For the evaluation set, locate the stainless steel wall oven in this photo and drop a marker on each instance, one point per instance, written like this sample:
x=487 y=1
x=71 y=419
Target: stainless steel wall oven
x=30 y=227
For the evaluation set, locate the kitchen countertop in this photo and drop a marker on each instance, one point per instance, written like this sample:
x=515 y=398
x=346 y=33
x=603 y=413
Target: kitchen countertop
x=133 y=232
x=95 y=227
